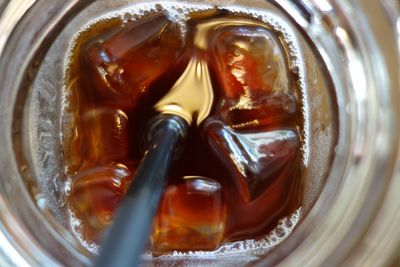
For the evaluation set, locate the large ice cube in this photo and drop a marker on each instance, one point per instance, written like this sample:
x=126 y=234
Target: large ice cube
x=191 y=216
x=95 y=194
x=102 y=138
x=250 y=62
x=257 y=89
x=129 y=62
x=255 y=159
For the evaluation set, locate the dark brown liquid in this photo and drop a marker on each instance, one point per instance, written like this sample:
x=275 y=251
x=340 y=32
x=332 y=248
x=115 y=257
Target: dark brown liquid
x=240 y=170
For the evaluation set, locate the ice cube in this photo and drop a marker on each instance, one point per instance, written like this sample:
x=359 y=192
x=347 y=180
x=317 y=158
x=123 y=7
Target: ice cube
x=191 y=216
x=95 y=194
x=102 y=138
x=253 y=75
x=250 y=62
x=255 y=159
x=129 y=62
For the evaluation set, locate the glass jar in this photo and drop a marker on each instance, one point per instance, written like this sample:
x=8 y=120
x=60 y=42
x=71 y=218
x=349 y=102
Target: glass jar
x=354 y=219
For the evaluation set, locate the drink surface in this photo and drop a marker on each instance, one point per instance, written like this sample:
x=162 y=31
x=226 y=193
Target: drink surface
x=240 y=171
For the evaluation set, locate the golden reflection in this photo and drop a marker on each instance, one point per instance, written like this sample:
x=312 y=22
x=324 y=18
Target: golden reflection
x=192 y=95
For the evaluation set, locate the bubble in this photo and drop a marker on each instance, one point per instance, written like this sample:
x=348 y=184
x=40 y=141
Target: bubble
x=280 y=231
x=67 y=186
x=127 y=17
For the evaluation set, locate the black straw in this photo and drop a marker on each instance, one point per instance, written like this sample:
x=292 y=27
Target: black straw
x=129 y=234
